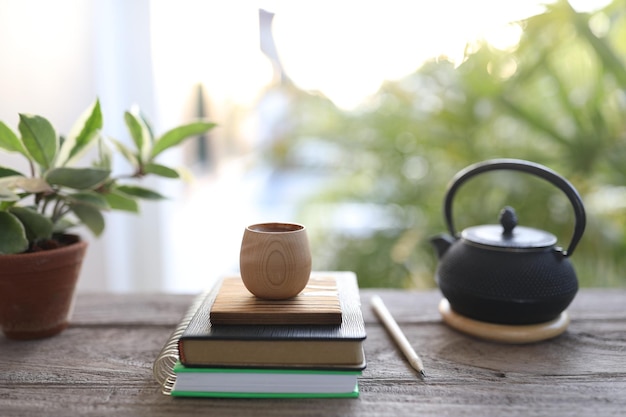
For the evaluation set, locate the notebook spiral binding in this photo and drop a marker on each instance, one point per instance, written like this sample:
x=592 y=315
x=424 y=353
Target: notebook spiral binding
x=168 y=356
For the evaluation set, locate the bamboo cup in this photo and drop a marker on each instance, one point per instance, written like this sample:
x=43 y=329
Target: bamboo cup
x=275 y=260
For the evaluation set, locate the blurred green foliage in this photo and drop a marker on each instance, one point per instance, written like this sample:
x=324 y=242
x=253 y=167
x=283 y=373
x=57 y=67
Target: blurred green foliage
x=557 y=98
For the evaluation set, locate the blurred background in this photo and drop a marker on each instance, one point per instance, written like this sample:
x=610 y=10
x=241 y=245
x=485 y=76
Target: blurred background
x=350 y=117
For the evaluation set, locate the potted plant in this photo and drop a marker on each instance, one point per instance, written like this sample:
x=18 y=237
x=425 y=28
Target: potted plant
x=39 y=259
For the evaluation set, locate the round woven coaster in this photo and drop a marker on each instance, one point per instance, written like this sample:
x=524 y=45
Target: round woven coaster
x=504 y=333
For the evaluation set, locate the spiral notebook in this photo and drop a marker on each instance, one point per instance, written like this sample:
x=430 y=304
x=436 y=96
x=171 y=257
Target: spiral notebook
x=163 y=367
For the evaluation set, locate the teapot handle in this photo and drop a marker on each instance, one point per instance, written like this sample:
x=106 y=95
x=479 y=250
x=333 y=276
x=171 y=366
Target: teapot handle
x=524 y=166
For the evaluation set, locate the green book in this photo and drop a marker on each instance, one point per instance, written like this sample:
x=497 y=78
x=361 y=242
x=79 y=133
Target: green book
x=272 y=346
x=264 y=383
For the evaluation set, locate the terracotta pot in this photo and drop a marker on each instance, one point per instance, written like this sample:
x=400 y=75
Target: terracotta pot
x=37 y=290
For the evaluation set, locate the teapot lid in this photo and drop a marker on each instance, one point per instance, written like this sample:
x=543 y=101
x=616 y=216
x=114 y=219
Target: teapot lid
x=507 y=236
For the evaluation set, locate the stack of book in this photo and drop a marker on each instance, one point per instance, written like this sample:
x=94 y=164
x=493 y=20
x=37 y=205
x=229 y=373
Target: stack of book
x=236 y=345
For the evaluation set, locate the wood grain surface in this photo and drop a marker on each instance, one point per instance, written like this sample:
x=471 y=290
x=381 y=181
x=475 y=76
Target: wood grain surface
x=318 y=303
x=102 y=365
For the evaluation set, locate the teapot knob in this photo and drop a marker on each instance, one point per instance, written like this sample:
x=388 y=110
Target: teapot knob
x=508 y=220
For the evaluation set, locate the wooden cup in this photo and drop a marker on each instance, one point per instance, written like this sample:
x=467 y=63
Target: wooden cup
x=275 y=260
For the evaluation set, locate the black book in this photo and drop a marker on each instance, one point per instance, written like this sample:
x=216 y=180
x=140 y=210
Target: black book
x=203 y=344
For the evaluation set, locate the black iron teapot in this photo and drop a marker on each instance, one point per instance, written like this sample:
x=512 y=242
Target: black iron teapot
x=507 y=273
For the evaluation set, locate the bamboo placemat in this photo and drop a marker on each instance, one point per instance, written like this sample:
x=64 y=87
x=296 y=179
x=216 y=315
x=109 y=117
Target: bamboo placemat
x=317 y=304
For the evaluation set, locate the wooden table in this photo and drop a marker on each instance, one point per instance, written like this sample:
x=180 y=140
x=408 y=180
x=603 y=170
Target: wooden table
x=102 y=365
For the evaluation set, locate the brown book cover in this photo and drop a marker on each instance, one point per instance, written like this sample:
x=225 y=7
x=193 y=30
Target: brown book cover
x=313 y=346
x=317 y=304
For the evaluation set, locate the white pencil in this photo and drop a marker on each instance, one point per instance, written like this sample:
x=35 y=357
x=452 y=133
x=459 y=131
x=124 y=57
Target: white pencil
x=396 y=333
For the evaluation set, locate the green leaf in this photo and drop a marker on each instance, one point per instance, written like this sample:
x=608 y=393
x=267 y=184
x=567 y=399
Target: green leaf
x=85 y=130
x=90 y=217
x=105 y=157
x=13 y=236
x=126 y=153
x=7 y=197
x=179 y=134
x=8 y=172
x=9 y=140
x=36 y=226
x=148 y=126
x=90 y=198
x=32 y=185
x=140 y=192
x=62 y=225
x=136 y=129
x=77 y=178
x=90 y=129
x=161 y=171
x=39 y=138
x=121 y=201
